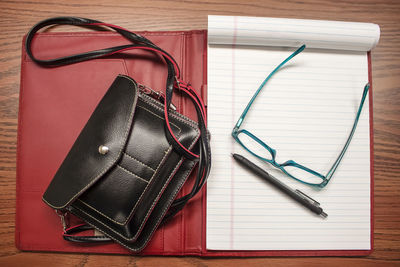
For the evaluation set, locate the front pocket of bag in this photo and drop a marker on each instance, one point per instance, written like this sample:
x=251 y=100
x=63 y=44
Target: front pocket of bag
x=114 y=196
x=119 y=192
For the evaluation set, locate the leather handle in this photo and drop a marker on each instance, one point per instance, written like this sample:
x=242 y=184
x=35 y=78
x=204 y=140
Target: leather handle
x=68 y=235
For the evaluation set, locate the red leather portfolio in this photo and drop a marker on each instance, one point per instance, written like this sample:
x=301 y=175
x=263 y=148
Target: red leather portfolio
x=55 y=104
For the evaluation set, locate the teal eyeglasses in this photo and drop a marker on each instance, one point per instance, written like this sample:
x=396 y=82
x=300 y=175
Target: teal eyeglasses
x=257 y=147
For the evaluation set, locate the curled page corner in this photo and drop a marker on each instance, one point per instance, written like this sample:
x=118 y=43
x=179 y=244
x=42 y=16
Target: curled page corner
x=281 y=32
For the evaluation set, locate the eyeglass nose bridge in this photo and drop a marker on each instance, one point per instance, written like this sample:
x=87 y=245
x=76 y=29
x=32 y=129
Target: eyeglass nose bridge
x=289 y=163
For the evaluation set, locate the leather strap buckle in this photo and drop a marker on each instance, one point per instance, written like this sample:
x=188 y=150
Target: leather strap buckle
x=154 y=94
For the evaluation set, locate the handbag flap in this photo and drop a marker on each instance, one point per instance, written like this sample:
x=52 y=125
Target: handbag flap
x=103 y=139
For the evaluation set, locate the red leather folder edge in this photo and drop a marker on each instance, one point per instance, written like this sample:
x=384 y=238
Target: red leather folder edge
x=47 y=129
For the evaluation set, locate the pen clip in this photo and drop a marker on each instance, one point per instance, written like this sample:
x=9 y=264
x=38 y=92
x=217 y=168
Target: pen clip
x=313 y=200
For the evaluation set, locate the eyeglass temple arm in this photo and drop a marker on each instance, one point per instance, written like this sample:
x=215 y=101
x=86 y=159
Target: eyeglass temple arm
x=339 y=159
x=244 y=113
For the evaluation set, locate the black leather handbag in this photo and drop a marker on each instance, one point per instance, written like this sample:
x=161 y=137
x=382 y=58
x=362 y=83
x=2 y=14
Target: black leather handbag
x=132 y=157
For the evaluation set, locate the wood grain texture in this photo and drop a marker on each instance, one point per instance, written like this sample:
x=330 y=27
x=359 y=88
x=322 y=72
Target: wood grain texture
x=16 y=17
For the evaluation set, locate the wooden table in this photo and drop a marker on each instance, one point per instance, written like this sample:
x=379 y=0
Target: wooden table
x=17 y=17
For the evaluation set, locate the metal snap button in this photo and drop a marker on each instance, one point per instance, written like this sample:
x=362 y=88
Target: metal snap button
x=103 y=149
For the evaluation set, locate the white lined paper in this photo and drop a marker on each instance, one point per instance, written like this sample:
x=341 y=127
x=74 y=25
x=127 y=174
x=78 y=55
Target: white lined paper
x=305 y=112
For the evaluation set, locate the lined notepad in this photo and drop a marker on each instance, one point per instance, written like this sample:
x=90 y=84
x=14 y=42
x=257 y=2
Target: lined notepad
x=305 y=112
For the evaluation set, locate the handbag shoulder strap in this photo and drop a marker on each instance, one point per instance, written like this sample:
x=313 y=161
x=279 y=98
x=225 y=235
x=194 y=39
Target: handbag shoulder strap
x=137 y=42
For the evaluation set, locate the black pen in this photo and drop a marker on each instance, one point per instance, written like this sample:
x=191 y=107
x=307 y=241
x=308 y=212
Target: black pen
x=297 y=195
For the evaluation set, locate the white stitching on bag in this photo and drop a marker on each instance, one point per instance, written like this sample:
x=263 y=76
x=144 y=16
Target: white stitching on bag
x=131 y=173
x=155 y=172
x=137 y=202
x=148 y=182
x=142 y=163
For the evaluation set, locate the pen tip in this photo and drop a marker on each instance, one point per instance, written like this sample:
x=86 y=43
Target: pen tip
x=235 y=156
x=324 y=215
